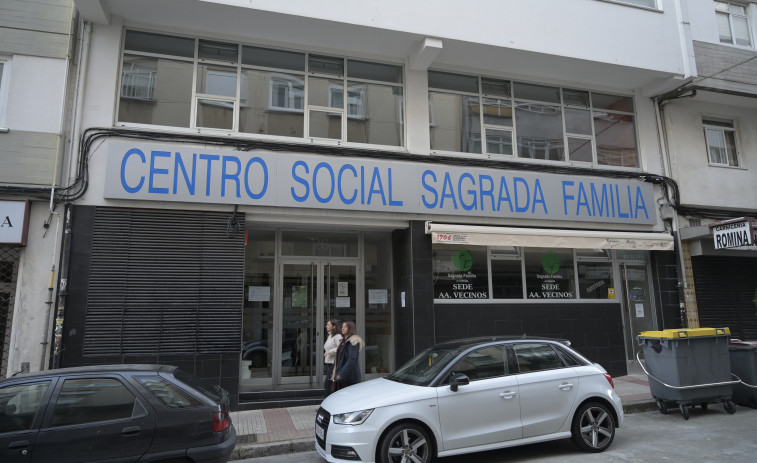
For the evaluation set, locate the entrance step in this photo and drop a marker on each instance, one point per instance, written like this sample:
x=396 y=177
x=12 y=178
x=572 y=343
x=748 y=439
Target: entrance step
x=280 y=398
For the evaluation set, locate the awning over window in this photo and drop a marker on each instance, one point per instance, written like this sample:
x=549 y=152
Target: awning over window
x=547 y=238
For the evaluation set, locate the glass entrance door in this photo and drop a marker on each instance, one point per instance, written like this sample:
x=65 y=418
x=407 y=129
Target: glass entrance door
x=639 y=313
x=312 y=293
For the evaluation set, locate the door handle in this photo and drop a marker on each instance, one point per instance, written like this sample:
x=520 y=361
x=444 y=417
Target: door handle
x=508 y=395
x=19 y=444
x=131 y=430
x=565 y=386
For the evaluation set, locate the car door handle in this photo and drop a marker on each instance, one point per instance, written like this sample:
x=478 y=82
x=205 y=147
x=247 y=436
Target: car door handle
x=18 y=444
x=565 y=386
x=131 y=430
x=508 y=395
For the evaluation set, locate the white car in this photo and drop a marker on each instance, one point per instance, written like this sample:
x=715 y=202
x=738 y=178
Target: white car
x=468 y=396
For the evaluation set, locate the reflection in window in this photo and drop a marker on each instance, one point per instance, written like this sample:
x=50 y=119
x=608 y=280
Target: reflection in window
x=720 y=136
x=507 y=279
x=157 y=91
x=460 y=273
x=272 y=103
x=489 y=362
x=616 y=139
x=456 y=123
x=89 y=400
x=539 y=129
x=19 y=405
x=595 y=280
x=536 y=357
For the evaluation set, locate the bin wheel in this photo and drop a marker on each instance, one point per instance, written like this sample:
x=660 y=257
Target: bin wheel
x=684 y=411
x=729 y=407
x=704 y=405
x=662 y=406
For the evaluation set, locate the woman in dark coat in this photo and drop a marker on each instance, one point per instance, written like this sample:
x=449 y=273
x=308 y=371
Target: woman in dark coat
x=347 y=368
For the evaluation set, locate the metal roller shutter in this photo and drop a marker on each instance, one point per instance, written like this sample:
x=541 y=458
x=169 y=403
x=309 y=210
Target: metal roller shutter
x=726 y=291
x=163 y=282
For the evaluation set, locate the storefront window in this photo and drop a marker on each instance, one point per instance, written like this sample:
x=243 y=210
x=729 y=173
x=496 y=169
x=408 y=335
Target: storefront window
x=378 y=303
x=319 y=244
x=549 y=274
x=460 y=273
x=595 y=280
x=257 y=320
x=507 y=279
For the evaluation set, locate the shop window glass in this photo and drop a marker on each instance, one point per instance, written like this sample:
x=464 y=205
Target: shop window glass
x=155 y=91
x=507 y=279
x=549 y=274
x=296 y=243
x=378 y=303
x=460 y=273
x=595 y=280
x=257 y=316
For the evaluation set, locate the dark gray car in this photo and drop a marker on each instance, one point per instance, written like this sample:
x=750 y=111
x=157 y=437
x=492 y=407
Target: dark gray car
x=114 y=413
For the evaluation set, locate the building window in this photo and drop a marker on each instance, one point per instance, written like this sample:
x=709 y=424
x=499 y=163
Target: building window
x=733 y=23
x=720 y=137
x=4 y=84
x=644 y=3
x=502 y=119
x=254 y=90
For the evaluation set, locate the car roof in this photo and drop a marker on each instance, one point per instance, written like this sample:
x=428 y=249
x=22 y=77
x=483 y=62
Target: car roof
x=475 y=341
x=124 y=368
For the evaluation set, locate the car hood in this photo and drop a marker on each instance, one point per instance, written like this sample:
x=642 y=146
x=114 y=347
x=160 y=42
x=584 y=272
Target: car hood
x=374 y=394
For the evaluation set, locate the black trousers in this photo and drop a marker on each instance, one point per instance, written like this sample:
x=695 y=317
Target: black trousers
x=327 y=382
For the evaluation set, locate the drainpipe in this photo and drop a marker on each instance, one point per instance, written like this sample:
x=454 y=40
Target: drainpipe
x=76 y=120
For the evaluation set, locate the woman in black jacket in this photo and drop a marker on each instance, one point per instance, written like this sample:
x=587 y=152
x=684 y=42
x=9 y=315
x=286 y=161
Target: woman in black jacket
x=347 y=368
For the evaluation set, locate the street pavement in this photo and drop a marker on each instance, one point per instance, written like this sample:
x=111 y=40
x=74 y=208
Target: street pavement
x=708 y=436
x=280 y=431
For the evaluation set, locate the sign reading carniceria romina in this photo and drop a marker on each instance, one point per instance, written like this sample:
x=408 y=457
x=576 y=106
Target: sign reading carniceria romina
x=733 y=233
x=191 y=173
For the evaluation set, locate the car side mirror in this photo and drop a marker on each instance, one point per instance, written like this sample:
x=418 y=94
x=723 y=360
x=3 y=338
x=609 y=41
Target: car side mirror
x=458 y=379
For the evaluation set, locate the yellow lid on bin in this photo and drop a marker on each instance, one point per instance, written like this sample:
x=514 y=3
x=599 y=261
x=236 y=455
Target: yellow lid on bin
x=685 y=333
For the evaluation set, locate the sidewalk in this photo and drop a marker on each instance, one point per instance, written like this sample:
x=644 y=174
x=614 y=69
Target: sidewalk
x=278 y=431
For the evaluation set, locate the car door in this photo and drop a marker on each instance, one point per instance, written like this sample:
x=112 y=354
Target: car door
x=547 y=388
x=486 y=410
x=22 y=405
x=94 y=418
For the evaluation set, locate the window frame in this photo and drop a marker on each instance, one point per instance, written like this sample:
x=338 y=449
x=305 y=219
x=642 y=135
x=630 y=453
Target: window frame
x=360 y=113
x=479 y=136
x=634 y=4
x=730 y=15
x=733 y=130
x=5 y=72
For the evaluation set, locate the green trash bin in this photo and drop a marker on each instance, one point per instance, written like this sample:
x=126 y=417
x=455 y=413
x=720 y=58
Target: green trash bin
x=688 y=366
x=743 y=356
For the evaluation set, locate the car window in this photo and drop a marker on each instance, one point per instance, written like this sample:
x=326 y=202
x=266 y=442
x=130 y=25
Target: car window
x=93 y=399
x=536 y=357
x=19 y=405
x=210 y=390
x=488 y=362
x=169 y=394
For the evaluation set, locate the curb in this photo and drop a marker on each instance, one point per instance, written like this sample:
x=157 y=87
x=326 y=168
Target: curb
x=270 y=449
x=242 y=452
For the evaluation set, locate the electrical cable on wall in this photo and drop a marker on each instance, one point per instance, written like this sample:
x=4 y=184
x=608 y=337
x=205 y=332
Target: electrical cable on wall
x=79 y=187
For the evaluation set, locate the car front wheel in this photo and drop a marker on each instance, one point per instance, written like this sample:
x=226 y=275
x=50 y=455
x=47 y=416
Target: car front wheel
x=593 y=427
x=406 y=443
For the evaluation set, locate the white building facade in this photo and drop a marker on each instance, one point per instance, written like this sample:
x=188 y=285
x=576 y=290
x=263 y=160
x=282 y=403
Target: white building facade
x=244 y=174
x=37 y=54
x=710 y=131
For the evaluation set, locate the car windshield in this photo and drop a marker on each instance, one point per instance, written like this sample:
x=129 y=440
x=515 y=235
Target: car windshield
x=424 y=367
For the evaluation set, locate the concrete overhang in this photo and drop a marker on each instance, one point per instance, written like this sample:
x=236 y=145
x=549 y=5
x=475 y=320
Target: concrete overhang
x=238 y=20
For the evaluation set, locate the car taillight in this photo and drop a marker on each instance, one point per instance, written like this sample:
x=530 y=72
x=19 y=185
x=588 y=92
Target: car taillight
x=609 y=380
x=221 y=421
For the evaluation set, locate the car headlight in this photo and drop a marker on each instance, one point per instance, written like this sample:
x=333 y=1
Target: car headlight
x=353 y=418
